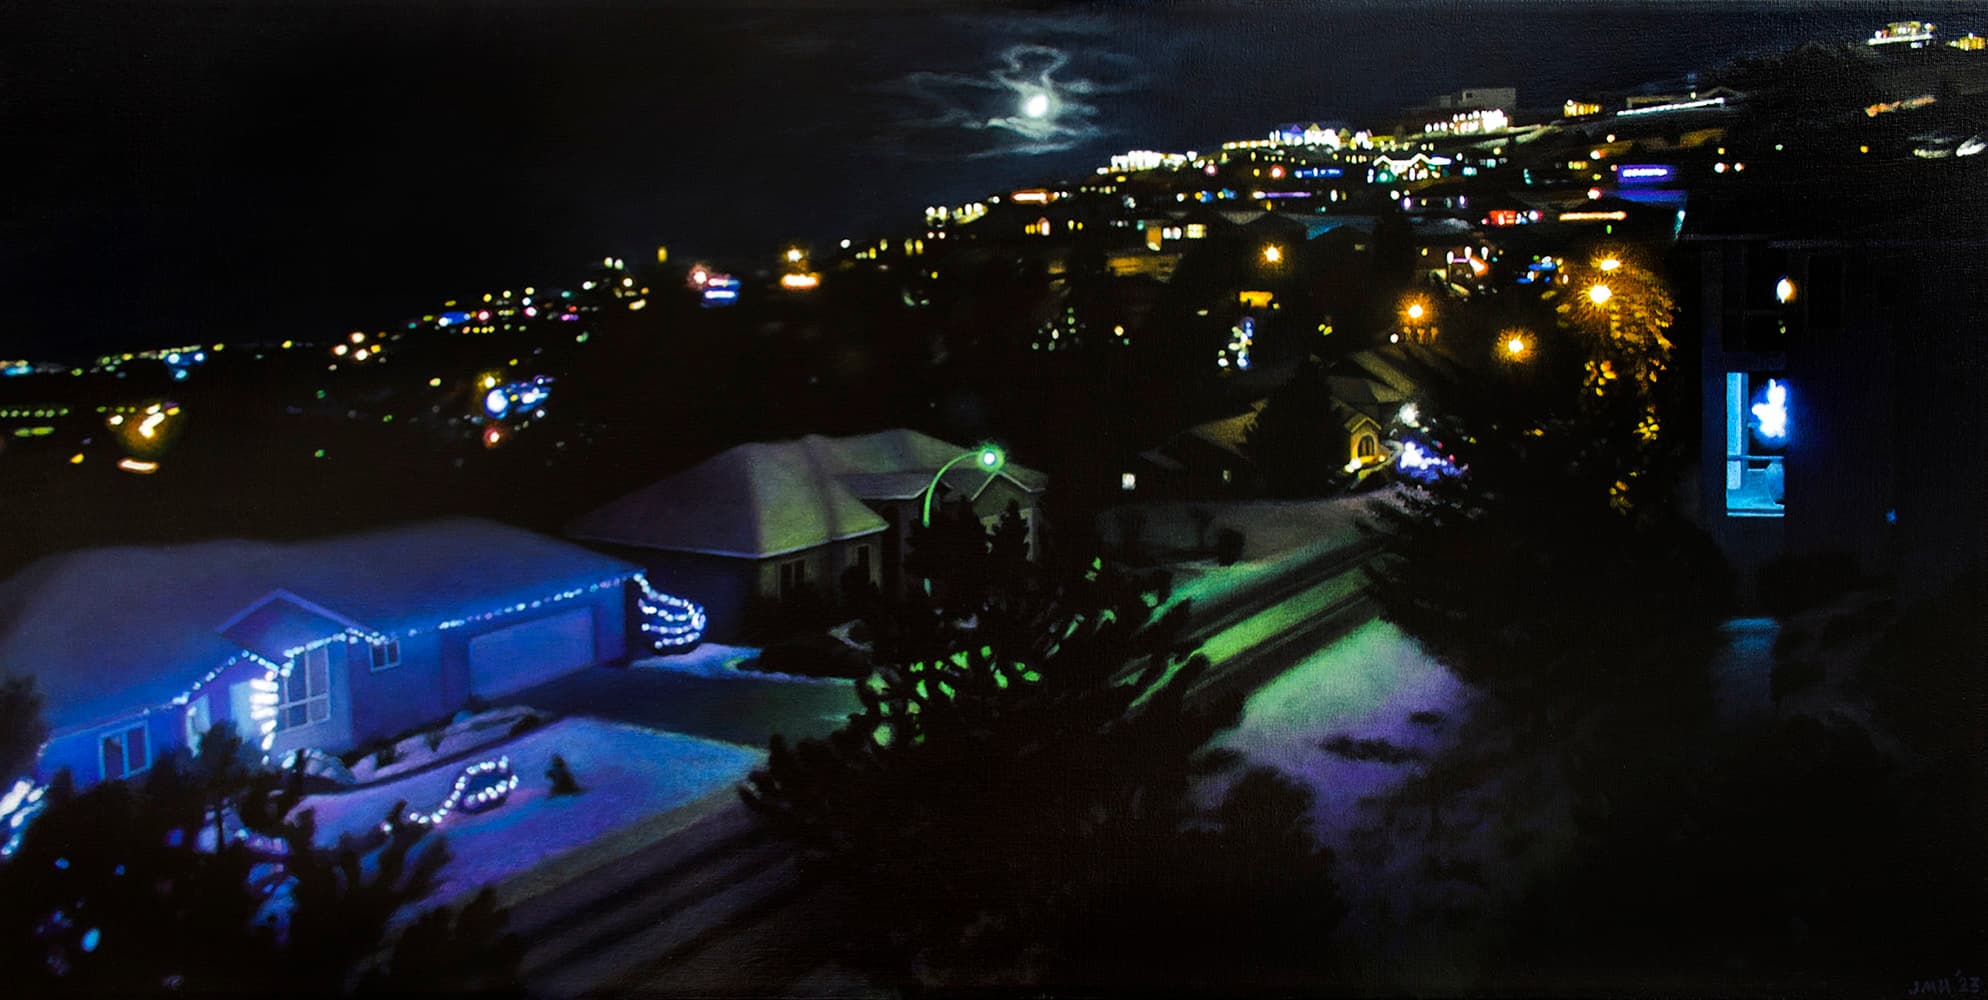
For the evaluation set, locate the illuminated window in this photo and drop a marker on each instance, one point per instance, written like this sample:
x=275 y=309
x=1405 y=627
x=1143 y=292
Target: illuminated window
x=1759 y=410
x=1365 y=447
x=1196 y=231
x=1128 y=481
x=793 y=576
x=125 y=753
x=386 y=655
x=306 y=692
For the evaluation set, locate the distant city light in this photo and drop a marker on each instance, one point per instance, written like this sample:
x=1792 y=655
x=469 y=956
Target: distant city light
x=139 y=466
x=799 y=282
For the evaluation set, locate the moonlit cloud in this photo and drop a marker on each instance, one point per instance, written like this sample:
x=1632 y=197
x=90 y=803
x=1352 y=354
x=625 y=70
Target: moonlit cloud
x=989 y=112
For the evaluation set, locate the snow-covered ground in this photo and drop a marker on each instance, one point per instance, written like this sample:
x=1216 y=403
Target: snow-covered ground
x=714 y=659
x=1365 y=686
x=461 y=736
x=1277 y=535
x=628 y=774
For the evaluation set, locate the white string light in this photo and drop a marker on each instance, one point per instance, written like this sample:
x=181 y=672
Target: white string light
x=491 y=794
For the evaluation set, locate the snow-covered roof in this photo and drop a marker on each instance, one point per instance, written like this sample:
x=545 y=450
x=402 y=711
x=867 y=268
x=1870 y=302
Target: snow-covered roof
x=1228 y=433
x=107 y=631
x=767 y=499
x=282 y=621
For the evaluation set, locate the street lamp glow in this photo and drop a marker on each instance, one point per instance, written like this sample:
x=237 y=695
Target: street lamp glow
x=1273 y=254
x=989 y=457
x=794 y=255
x=1784 y=291
x=1609 y=264
x=1599 y=294
x=1515 y=346
x=1416 y=311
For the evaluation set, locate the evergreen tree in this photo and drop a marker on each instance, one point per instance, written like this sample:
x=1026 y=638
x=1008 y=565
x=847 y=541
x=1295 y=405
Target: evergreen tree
x=1008 y=788
x=1292 y=439
x=143 y=887
x=21 y=727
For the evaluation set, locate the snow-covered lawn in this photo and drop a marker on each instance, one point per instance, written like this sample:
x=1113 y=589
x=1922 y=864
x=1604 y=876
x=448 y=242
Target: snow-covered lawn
x=1277 y=535
x=714 y=659
x=465 y=734
x=1365 y=686
x=628 y=774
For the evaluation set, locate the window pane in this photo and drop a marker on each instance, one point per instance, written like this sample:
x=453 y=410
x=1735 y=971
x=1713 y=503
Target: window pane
x=113 y=757
x=320 y=709
x=293 y=685
x=134 y=749
x=319 y=666
x=294 y=716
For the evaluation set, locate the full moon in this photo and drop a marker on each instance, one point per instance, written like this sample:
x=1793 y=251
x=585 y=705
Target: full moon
x=1037 y=105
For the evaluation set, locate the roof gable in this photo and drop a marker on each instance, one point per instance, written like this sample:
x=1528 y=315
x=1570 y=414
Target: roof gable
x=766 y=499
x=281 y=622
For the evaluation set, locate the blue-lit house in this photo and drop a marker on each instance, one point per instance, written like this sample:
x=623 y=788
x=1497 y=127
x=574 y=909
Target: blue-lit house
x=324 y=644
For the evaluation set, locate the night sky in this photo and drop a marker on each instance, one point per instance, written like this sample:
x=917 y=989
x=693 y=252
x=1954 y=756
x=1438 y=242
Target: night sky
x=204 y=172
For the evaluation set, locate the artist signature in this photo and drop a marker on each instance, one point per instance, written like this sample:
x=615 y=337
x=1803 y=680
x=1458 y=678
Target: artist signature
x=1960 y=983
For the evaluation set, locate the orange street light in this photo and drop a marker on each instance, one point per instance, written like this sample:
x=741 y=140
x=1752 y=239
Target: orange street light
x=1514 y=345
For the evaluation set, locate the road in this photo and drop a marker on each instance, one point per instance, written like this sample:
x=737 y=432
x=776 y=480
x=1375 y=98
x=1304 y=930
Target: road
x=708 y=903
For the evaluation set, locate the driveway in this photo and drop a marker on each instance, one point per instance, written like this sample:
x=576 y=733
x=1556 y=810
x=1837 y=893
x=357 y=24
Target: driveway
x=739 y=709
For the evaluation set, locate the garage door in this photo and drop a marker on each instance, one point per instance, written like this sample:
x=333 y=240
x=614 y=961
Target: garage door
x=518 y=657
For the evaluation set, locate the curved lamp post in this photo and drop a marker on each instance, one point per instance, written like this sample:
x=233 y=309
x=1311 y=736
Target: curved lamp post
x=988 y=457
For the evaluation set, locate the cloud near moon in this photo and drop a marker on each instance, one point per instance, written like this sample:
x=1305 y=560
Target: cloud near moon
x=1031 y=102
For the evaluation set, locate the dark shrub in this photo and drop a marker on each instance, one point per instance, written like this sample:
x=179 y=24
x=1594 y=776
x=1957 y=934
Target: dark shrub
x=1229 y=546
x=810 y=656
x=1798 y=582
x=561 y=776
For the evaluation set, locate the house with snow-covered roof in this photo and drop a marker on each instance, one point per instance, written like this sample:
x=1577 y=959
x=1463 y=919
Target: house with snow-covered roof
x=770 y=520
x=324 y=644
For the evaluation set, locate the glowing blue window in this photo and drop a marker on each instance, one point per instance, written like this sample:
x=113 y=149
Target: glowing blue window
x=1759 y=415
